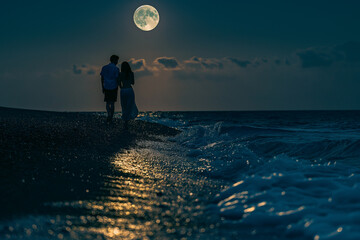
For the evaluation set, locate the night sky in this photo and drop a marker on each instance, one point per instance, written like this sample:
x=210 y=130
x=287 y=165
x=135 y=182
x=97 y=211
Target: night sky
x=203 y=55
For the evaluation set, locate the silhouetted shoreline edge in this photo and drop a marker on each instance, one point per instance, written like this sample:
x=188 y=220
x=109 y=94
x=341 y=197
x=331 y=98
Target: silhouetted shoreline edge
x=45 y=154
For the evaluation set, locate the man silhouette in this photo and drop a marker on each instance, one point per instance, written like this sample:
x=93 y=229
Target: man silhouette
x=109 y=82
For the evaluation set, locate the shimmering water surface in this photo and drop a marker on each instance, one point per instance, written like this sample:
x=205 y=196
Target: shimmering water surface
x=295 y=175
x=156 y=196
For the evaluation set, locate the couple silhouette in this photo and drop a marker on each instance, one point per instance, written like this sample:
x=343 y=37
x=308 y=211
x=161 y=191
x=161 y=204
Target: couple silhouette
x=111 y=79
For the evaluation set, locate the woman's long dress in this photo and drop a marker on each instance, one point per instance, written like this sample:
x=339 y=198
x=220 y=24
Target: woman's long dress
x=129 y=108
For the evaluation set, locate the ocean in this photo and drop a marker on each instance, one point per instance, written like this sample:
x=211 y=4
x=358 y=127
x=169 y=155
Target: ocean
x=293 y=174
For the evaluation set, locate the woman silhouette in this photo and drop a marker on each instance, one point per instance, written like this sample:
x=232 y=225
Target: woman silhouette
x=127 y=96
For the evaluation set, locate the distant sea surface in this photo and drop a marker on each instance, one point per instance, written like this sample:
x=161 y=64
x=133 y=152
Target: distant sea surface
x=294 y=174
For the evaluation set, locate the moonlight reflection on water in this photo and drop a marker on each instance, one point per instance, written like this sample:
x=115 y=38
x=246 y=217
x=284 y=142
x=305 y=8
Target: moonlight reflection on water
x=148 y=195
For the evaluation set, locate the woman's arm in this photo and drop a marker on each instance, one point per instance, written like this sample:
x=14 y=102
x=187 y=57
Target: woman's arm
x=119 y=80
x=132 y=80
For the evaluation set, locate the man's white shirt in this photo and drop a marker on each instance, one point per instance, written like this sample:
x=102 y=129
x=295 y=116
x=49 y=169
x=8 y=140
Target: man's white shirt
x=110 y=73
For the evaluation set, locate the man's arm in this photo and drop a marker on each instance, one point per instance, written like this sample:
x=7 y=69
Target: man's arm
x=102 y=84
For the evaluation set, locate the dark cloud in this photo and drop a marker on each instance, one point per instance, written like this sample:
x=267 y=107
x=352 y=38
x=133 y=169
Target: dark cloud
x=259 y=61
x=212 y=63
x=91 y=72
x=76 y=70
x=349 y=50
x=326 y=56
x=315 y=58
x=196 y=59
x=137 y=64
x=205 y=63
x=84 y=69
x=140 y=67
x=167 y=62
x=193 y=63
x=279 y=61
x=240 y=63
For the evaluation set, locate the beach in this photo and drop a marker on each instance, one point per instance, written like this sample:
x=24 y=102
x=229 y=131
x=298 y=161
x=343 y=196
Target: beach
x=72 y=176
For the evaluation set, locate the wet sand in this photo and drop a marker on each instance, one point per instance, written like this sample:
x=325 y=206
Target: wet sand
x=72 y=176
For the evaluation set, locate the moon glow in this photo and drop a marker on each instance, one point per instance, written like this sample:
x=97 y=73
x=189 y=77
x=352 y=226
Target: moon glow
x=146 y=17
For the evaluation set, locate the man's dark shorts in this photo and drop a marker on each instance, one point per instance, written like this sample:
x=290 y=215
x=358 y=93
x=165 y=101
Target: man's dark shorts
x=111 y=95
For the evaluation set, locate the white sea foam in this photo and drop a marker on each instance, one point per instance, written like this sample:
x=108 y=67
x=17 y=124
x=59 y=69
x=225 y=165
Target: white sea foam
x=301 y=200
x=287 y=183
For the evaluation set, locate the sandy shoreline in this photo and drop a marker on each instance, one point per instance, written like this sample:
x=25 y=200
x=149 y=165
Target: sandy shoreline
x=45 y=152
x=71 y=176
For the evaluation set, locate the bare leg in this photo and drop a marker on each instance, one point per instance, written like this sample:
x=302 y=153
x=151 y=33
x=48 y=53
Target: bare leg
x=110 y=110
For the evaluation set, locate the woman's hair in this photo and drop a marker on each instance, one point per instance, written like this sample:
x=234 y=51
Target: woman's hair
x=125 y=68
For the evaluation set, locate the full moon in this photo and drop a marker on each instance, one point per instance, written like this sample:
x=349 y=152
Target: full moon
x=146 y=17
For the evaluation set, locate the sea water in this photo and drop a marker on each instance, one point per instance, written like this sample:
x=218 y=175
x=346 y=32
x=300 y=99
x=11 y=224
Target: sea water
x=293 y=174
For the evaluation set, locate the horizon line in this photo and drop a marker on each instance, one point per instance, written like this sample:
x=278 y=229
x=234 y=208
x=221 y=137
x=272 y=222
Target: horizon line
x=274 y=110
